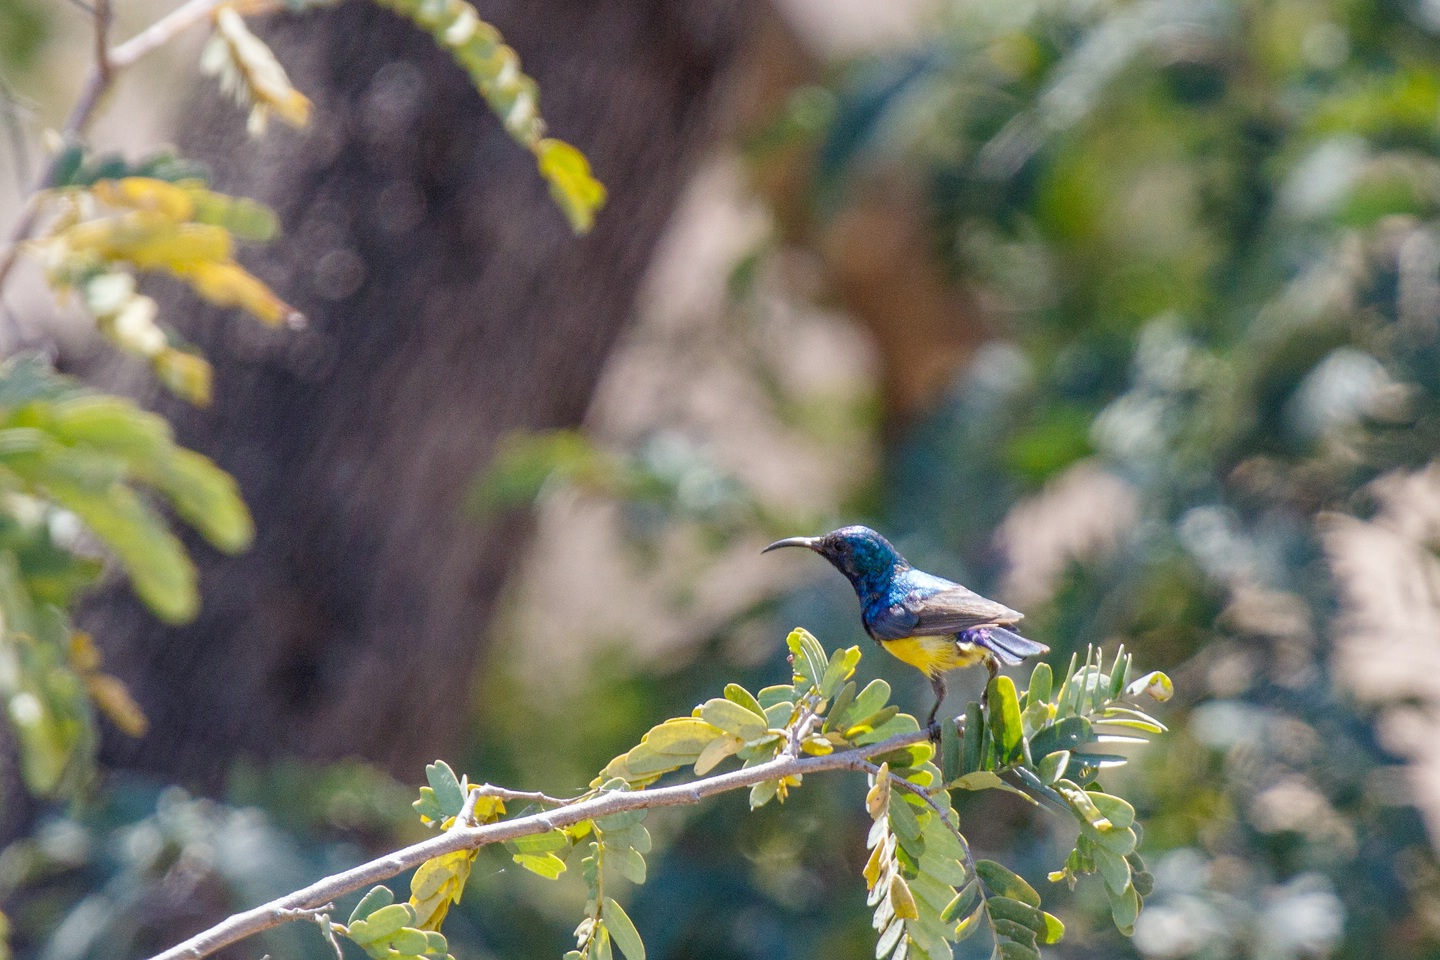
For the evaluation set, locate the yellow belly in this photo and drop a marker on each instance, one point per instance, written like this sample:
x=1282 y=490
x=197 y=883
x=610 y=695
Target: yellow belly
x=934 y=655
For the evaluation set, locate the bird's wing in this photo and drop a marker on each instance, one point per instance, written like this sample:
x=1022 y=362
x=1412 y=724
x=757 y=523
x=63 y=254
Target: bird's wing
x=949 y=610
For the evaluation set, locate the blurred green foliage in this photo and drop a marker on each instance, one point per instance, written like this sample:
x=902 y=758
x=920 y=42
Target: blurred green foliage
x=24 y=28
x=1209 y=232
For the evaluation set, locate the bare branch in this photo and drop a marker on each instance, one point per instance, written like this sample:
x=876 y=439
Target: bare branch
x=490 y=790
x=162 y=31
x=276 y=912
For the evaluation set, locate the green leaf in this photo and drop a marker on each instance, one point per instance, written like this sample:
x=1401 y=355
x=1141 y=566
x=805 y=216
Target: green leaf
x=205 y=497
x=1054 y=930
x=1113 y=869
x=1010 y=950
x=156 y=563
x=1012 y=931
x=1118 y=840
x=408 y=942
x=868 y=703
x=1006 y=908
x=906 y=757
x=738 y=694
x=628 y=861
x=966 y=900
x=842 y=703
x=1143 y=881
x=1131 y=719
x=1001 y=881
x=1005 y=717
x=1041 y=680
x=379 y=896
x=1114 y=809
x=1118 y=669
x=635 y=836
x=540 y=842
x=906 y=824
x=1067 y=734
x=625 y=820
x=448 y=792
x=627 y=938
x=682 y=736
x=972 y=757
x=1052 y=766
x=734 y=719
x=930 y=891
x=838 y=670
x=1124 y=909
x=950 y=760
x=762 y=793
x=546 y=865
x=980 y=780
x=870 y=728
x=776 y=694
x=968 y=926
x=381 y=923
x=644 y=761
x=808 y=658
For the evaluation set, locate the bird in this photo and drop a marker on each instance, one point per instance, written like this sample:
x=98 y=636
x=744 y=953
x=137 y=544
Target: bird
x=933 y=624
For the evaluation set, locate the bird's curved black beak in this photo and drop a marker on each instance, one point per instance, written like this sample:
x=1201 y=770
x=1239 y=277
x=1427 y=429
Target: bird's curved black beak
x=793 y=542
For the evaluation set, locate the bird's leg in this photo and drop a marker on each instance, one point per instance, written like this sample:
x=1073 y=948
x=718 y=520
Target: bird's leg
x=993 y=666
x=937 y=683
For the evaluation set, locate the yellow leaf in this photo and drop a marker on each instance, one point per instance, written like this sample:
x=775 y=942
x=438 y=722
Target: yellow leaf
x=113 y=699
x=148 y=194
x=877 y=800
x=901 y=899
x=184 y=374
x=873 y=866
x=228 y=284
x=84 y=656
x=437 y=884
x=249 y=72
x=149 y=241
x=573 y=187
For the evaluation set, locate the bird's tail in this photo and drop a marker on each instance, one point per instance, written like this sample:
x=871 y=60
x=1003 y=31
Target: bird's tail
x=1009 y=647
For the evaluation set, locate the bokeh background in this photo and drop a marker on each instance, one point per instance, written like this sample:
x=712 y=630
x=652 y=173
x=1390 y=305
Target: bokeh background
x=1124 y=313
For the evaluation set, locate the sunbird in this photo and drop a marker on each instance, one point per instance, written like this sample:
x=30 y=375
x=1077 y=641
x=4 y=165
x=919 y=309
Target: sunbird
x=931 y=623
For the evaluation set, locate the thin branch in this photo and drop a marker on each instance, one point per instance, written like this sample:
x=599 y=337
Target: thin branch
x=162 y=31
x=276 y=912
x=490 y=790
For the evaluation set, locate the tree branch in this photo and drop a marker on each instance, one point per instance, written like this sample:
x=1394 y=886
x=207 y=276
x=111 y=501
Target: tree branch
x=283 y=909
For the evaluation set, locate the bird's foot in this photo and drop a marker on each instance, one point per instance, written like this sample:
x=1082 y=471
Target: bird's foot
x=933 y=729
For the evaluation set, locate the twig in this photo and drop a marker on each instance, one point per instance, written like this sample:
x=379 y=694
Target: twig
x=490 y=790
x=162 y=31
x=274 y=913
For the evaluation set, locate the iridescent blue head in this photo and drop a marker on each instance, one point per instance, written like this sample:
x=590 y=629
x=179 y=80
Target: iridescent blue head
x=860 y=553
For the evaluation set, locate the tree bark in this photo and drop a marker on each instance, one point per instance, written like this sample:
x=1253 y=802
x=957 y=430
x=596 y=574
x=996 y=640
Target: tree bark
x=448 y=305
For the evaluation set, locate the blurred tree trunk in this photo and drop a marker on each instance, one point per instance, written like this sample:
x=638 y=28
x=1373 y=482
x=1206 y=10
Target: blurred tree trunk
x=448 y=305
